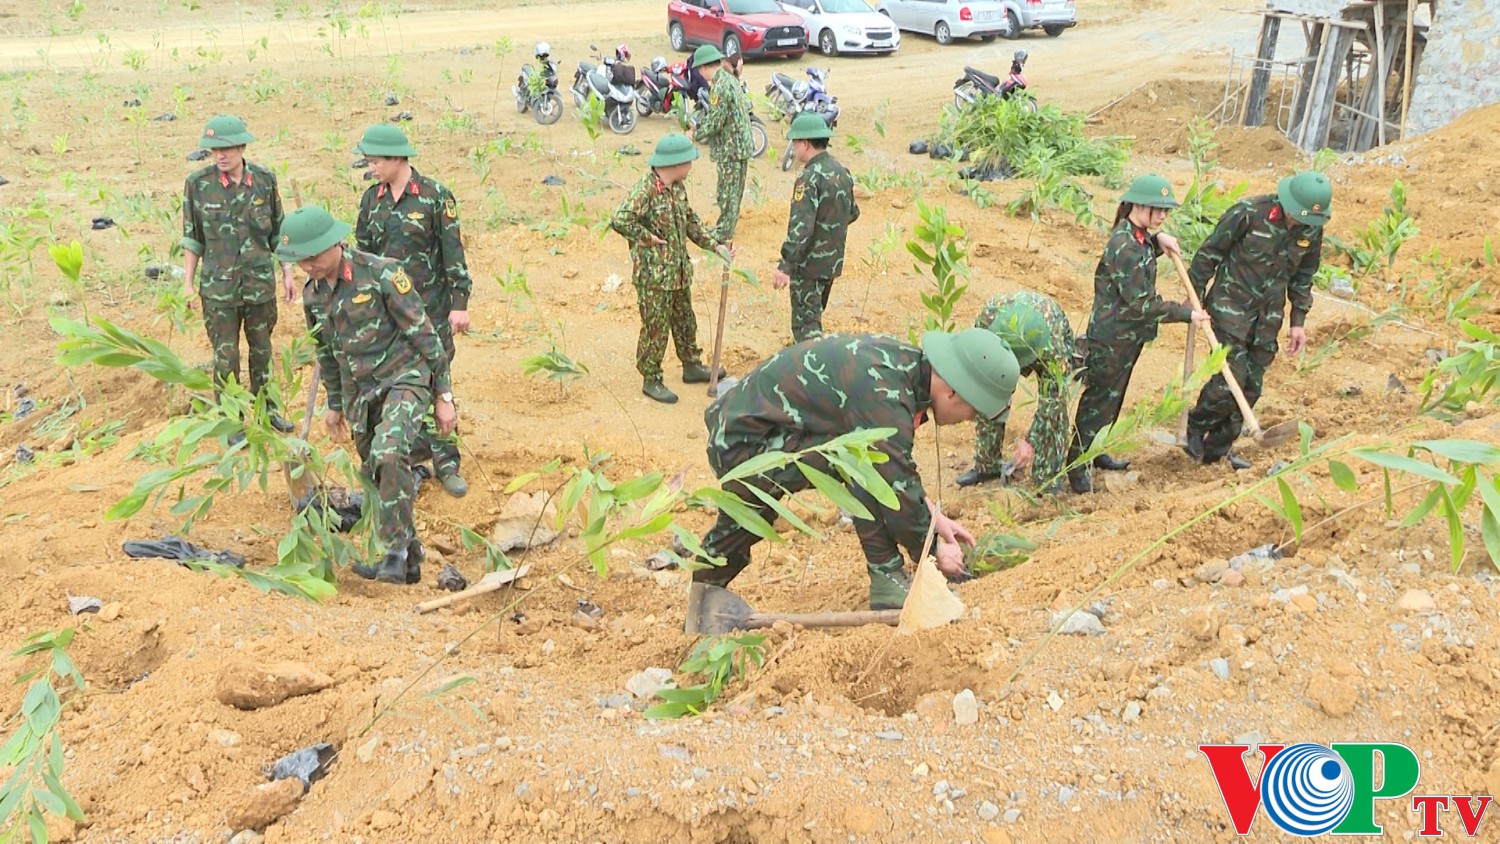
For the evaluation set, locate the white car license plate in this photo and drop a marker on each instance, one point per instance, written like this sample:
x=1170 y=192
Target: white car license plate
x=987 y=16
x=786 y=42
x=880 y=43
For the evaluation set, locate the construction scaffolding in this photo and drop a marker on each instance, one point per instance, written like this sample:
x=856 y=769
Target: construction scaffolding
x=1351 y=87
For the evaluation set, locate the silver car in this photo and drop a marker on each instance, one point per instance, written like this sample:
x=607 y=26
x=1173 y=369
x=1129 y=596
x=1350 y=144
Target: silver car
x=946 y=20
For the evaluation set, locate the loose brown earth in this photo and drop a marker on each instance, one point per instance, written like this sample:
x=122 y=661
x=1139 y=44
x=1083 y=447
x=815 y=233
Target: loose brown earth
x=843 y=736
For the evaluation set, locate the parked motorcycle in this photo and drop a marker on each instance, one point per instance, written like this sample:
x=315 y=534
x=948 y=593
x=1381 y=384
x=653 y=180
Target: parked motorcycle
x=660 y=87
x=536 y=89
x=792 y=97
x=759 y=140
x=593 y=80
x=976 y=83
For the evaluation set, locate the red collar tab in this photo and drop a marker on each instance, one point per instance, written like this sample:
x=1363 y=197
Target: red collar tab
x=1275 y=215
x=348 y=270
x=661 y=186
x=411 y=188
x=1140 y=234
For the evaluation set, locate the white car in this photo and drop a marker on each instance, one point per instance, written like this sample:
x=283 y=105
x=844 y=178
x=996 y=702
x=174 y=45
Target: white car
x=845 y=26
x=947 y=20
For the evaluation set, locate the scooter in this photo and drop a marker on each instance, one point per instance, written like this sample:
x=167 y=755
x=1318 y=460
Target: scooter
x=975 y=83
x=537 y=92
x=592 y=80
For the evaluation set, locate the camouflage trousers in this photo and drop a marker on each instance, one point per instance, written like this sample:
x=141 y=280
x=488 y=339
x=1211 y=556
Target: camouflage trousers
x=729 y=540
x=223 y=323
x=728 y=194
x=444 y=450
x=1104 y=384
x=809 y=298
x=1049 y=444
x=665 y=312
x=387 y=432
x=1216 y=417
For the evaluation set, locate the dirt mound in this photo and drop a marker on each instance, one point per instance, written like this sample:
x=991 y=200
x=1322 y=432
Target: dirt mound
x=1452 y=174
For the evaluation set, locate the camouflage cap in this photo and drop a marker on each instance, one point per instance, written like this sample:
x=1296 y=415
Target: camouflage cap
x=1024 y=330
x=808 y=126
x=979 y=366
x=707 y=54
x=223 y=132
x=1151 y=191
x=1307 y=198
x=309 y=231
x=673 y=149
x=385 y=141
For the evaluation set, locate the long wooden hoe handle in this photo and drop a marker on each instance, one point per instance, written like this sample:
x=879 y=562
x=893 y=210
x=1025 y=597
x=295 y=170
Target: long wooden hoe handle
x=824 y=619
x=1213 y=344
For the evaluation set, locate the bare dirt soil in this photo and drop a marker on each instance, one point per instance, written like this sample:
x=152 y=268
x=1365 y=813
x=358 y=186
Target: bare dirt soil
x=842 y=736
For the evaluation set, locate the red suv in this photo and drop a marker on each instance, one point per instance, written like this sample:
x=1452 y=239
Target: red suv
x=752 y=27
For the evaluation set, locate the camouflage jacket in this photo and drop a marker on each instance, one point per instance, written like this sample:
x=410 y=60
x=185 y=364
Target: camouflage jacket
x=820 y=389
x=232 y=229
x=1053 y=368
x=653 y=208
x=420 y=229
x=725 y=126
x=372 y=332
x=1127 y=307
x=1258 y=262
x=823 y=206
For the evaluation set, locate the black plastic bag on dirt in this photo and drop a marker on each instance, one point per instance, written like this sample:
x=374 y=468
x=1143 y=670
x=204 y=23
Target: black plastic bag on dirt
x=917 y=148
x=987 y=172
x=179 y=549
x=308 y=764
x=346 y=505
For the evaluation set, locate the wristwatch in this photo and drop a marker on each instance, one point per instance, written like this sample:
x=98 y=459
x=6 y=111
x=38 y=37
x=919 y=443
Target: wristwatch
x=447 y=397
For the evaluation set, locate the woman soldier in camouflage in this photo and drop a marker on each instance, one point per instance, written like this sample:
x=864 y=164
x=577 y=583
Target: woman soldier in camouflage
x=1127 y=311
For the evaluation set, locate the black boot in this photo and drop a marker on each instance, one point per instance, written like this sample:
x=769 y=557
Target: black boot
x=1080 y=482
x=697 y=373
x=974 y=476
x=658 y=391
x=1110 y=464
x=1237 y=462
x=392 y=568
x=1194 y=446
x=278 y=423
x=415 y=554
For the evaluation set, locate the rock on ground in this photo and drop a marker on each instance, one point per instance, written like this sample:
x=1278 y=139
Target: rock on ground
x=265 y=804
x=255 y=685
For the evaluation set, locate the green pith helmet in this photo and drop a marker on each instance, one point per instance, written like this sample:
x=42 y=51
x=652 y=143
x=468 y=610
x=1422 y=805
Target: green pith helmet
x=673 y=149
x=1024 y=330
x=977 y=365
x=224 y=131
x=1151 y=191
x=707 y=54
x=808 y=126
x=1307 y=198
x=309 y=231
x=386 y=141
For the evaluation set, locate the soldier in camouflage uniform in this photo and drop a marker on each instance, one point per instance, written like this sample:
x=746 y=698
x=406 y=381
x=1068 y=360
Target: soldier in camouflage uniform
x=1038 y=333
x=414 y=219
x=725 y=127
x=823 y=206
x=1127 y=312
x=817 y=390
x=1263 y=253
x=231 y=212
x=658 y=222
x=384 y=368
